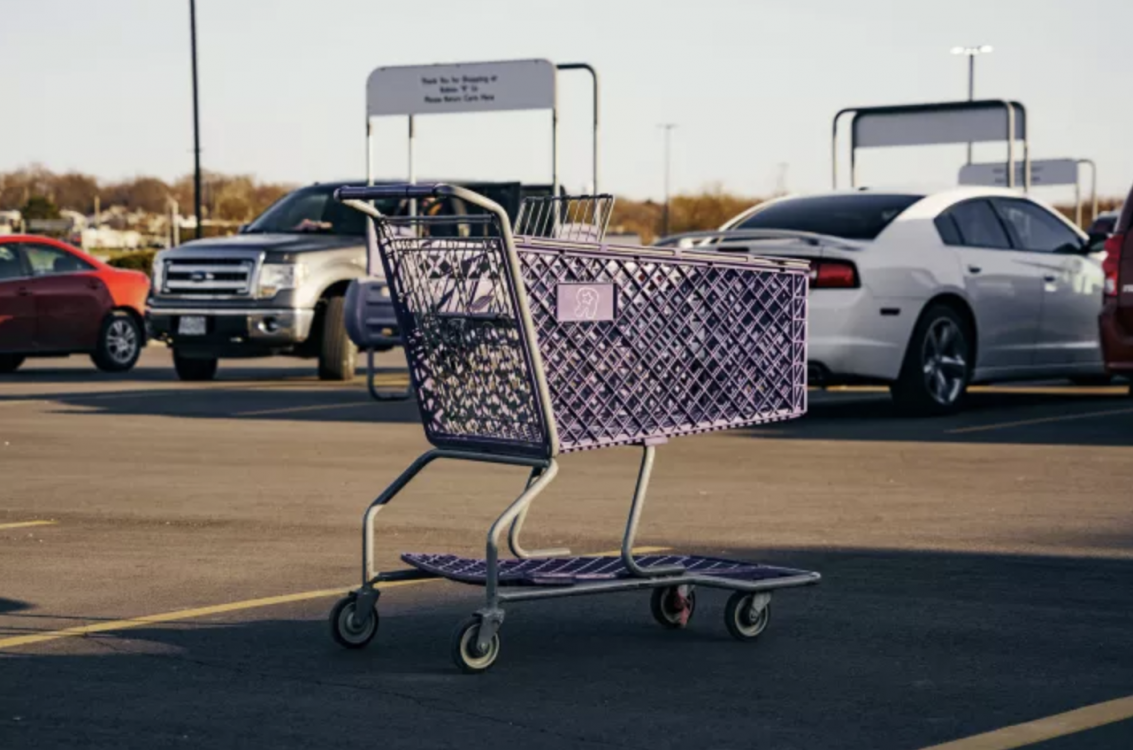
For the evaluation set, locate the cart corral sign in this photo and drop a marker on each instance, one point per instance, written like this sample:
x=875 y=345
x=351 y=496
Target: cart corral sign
x=1043 y=172
x=923 y=125
x=467 y=87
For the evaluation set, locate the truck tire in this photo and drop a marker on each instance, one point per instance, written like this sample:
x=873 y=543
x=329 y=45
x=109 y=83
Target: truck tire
x=192 y=369
x=10 y=362
x=938 y=365
x=338 y=357
x=120 y=342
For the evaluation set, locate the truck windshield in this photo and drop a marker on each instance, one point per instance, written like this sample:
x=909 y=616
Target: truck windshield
x=860 y=216
x=314 y=210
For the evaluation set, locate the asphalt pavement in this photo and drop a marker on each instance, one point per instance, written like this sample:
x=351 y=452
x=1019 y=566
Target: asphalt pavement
x=169 y=552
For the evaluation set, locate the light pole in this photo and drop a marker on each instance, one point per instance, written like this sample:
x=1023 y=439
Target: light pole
x=970 y=53
x=668 y=128
x=196 y=118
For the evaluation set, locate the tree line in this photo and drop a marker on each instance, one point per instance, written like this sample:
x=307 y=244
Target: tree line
x=240 y=198
x=236 y=198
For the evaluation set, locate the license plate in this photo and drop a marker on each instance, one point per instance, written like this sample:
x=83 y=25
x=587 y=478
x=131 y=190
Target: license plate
x=191 y=325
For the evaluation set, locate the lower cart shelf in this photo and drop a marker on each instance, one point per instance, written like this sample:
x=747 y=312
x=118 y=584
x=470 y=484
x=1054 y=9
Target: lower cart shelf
x=569 y=571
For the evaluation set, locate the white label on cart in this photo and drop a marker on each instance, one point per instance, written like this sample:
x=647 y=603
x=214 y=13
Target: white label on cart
x=467 y=87
x=585 y=303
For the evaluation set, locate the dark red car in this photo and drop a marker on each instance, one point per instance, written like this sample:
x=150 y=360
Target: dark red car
x=56 y=300
x=1116 y=319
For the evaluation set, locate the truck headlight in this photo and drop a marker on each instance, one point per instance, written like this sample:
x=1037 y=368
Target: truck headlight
x=157 y=273
x=275 y=277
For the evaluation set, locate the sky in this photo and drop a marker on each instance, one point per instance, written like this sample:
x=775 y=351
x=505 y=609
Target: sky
x=105 y=87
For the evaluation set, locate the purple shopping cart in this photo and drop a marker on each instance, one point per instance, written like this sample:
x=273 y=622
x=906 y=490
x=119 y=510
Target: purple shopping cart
x=527 y=344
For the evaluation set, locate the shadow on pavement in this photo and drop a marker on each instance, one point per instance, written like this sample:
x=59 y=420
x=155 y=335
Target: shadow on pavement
x=1038 y=415
x=252 y=393
x=8 y=606
x=894 y=650
x=1059 y=416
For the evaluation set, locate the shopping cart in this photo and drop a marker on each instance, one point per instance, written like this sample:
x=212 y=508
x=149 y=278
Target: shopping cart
x=525 y=345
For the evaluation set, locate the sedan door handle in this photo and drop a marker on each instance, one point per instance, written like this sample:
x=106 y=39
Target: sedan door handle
x=24 y=292
x=1050 y=277
x=974 y=269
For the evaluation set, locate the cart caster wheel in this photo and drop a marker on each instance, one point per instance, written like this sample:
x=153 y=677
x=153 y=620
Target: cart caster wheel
x=468 y=658
x=672 y=606
x=345 y=627
x=738 y=617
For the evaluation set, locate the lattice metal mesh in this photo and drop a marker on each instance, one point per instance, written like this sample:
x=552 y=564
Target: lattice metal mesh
x=688 y=344
x=693 y=346
x=581 y=218
x=468 y=361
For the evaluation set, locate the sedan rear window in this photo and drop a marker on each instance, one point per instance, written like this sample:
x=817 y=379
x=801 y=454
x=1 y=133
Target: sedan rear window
x=860 y=216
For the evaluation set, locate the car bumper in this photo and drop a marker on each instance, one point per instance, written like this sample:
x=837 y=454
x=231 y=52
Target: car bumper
x=278 y=328
x=854 y=336
x=1116 y=338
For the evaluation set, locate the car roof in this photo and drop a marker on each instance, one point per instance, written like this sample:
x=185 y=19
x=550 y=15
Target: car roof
x=929 y=204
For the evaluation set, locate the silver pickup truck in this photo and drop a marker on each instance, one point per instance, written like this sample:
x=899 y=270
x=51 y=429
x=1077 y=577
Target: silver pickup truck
x=278 y=286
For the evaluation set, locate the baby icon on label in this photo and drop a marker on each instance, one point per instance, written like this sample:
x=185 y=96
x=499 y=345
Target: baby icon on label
x=587 y=307
x=585 y=303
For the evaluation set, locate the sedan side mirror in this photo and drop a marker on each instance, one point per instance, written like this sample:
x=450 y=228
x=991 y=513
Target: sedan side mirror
x=1080 y=247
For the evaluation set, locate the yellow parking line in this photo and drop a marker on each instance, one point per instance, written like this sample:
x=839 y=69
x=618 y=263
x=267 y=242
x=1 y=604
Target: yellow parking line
x=1041 y=420
x=1047 y=728
x=184 y=614
x=216 y=609
x=26 y=524
x=296 y=409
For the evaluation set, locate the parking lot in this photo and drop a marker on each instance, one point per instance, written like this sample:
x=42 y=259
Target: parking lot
x=169 y=552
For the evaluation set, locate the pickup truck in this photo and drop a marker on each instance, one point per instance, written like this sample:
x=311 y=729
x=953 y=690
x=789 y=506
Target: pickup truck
x=278 y=286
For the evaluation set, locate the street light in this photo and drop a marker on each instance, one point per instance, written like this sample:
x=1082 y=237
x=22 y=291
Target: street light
x=970 y=53
x=196 y=117
x=668 y=128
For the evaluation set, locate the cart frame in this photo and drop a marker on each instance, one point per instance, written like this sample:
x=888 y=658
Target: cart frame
x=754 y=593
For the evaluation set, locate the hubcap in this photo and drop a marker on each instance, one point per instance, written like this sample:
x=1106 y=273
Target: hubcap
x=121 y=341
x=945 y=361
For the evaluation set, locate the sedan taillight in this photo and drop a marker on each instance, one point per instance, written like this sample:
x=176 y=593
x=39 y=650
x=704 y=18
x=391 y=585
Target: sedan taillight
x=833 y=274
x=1112 y=262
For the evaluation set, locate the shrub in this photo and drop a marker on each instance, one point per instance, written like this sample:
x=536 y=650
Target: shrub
x=135 y=260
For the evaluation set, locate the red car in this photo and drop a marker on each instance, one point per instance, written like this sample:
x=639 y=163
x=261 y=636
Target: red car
x=56 y=300
x=1116 y=319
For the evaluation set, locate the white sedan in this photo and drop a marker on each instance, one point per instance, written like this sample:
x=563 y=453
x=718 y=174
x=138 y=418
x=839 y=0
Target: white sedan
x=930 y=293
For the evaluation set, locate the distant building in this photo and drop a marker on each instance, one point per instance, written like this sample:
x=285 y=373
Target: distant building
x=11 y=222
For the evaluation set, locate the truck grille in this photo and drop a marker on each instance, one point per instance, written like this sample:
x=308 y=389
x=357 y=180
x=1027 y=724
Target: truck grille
x=209 y=276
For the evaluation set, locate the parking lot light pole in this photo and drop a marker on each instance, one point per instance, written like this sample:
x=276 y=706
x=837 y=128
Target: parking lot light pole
x=668 y=128
x=971 y=53
x=196 y=118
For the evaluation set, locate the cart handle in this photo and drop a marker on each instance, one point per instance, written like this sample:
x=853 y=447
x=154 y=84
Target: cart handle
x=356 y=198
x=369 y=192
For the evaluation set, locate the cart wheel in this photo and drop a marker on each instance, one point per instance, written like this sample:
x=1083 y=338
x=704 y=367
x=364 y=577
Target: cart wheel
x=672 y=606
x=345 y=627
x=738 y=617
x=468 y=658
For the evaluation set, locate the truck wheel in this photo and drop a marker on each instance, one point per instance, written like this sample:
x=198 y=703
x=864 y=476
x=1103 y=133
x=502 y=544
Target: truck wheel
x=119 y=343
x=938 y=365
x=338 y=357
x=10 y=362
x=189 y=368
